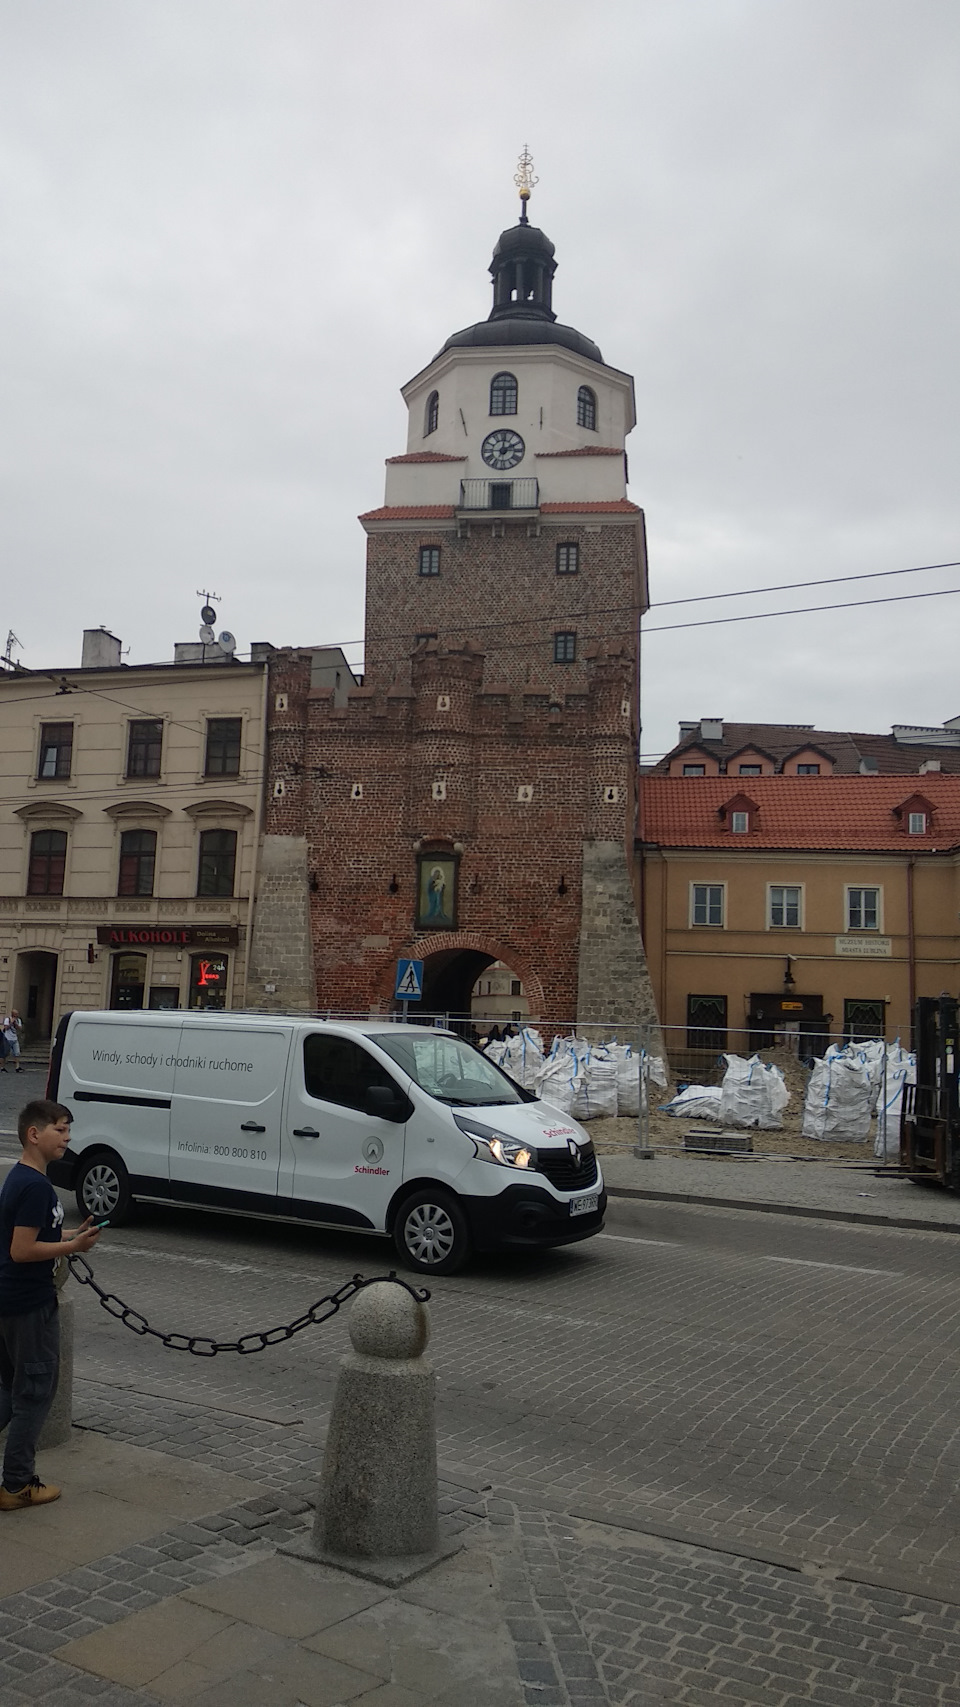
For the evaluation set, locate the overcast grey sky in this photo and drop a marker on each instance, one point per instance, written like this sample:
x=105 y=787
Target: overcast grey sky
x=232 y=230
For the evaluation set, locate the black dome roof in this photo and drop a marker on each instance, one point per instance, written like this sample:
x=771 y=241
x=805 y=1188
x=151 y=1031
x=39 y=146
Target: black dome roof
x=522 y=268
x=522 y=329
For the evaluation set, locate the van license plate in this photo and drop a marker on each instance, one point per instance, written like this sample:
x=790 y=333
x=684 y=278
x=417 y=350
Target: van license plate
x=584 y=1205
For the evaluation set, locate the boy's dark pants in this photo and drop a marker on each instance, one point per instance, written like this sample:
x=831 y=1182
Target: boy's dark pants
x=29 y=1369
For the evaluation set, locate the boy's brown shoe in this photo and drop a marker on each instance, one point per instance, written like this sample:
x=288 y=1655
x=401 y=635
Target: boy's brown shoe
x=35 y=1493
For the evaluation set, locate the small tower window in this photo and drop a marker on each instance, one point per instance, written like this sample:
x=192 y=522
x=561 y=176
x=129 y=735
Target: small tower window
x=431 y=414
x=587 y=408
x=503 y=394
x=429 y=559
x=568 y=559
x=565 y=648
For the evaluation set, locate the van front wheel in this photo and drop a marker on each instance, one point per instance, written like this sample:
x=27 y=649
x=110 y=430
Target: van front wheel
x=431 y=1233
x=103 y=1188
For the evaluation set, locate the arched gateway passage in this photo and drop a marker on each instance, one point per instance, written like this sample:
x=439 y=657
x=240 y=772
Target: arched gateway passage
x=451 y=967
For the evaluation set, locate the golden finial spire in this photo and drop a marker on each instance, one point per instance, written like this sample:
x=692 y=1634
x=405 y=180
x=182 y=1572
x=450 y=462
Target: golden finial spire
x=525 y=179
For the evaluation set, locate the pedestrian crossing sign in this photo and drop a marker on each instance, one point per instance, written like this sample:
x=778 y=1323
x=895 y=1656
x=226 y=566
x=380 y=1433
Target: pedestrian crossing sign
x=409 y=981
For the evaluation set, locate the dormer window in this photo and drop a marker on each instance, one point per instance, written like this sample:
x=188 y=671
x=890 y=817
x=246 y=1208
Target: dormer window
x=587 y=408
x=503 y=394
x=739 y=814
x=917 y=824
x=916 y=815
x=431 y=417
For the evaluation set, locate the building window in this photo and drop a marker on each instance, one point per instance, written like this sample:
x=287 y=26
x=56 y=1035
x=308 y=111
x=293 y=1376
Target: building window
x=223 y=746
x=863 y=1020
x=694 y=770
x=138 y=858
x=565 y=648
x=429 y=559
x=56 y=751
x=568 y=559
x=431 y=414
x=503 y=394
x=208 y=980
x=707 y=1023
x=863 y=909
x=587 y=408
x=218 y=862
x=917 y=824
x=740 y=823
x=144 y=747
x=808 y=770
x=750 y=770
x=706 y=904
x=48 y=861
x=516 y=988
x=785 y=905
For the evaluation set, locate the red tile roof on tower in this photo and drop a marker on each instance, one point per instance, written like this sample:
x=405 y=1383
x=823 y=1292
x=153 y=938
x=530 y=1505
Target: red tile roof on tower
x=823 y=812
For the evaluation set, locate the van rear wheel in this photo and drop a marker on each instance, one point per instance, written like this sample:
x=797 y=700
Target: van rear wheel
x=103 y=1188
x=431 y=1233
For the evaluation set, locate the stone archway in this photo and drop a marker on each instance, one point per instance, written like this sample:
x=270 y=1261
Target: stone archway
x=454 y=960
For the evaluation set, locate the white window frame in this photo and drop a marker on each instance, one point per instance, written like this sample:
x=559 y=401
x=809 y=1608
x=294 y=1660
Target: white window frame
x=739 y=823
x=708 y=924
x=851 y=889
x=771 y=887
x=916 y=823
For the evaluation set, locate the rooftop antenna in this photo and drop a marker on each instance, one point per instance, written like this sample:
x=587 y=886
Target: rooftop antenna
x=208 y=615
x=8 y=658
x=526 y=181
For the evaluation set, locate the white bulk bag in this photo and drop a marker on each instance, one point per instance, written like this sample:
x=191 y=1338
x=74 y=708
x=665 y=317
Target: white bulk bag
x=559 y=1079
x=597 y=1096
x=901 y=1070
x=839 y=1097
x=753 y=1094
x=523 y=1057
x=697 y=1102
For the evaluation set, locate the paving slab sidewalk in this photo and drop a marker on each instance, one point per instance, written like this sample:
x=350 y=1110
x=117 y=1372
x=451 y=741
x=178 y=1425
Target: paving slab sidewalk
x=539 y=1609
x=829 y=1190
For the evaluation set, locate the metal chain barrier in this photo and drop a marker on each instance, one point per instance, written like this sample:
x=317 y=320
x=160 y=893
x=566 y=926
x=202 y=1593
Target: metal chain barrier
x=201 y=1346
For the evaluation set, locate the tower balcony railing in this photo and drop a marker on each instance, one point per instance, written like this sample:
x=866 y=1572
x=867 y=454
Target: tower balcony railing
x=500 y=494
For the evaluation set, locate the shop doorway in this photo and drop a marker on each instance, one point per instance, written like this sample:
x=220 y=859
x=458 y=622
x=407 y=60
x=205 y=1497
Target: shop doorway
x=128 y=980
x=35 y=988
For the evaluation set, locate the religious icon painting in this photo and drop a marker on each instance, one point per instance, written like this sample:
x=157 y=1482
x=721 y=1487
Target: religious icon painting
x=436 y=893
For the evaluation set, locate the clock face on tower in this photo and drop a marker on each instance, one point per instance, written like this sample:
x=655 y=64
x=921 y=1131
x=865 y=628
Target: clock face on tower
x=502 y=449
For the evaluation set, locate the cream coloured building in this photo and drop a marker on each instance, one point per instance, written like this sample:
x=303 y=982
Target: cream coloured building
x=130 y=806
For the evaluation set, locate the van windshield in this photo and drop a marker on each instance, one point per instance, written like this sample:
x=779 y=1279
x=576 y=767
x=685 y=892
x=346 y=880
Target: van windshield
x=450 y=1070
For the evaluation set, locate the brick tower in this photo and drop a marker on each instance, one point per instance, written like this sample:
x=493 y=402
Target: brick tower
x=474 y=799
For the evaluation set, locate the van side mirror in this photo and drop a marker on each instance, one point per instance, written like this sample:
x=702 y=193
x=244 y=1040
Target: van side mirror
x=386 y=1101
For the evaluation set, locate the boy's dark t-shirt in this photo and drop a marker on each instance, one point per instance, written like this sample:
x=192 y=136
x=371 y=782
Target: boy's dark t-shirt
x=27 y=1200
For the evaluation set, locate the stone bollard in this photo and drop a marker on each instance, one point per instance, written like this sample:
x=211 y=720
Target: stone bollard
x=56 y=1430
x=377 y=1513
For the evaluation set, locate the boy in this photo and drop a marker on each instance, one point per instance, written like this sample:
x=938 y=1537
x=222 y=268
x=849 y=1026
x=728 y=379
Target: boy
x=31 y=1218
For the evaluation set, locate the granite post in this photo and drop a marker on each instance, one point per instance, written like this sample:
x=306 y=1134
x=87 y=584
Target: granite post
x=377 y=1512
x=56 y=1429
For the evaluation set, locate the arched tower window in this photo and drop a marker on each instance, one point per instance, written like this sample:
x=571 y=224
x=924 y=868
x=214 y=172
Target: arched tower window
x=587 y=408
x=431 y=414
x=503 y=394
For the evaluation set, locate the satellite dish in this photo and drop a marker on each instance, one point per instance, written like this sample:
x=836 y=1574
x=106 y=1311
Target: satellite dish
x=206 y=634
x=208 y=615
x=228 y=641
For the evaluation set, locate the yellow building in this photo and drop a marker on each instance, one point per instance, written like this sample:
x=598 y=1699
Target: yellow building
x=130 y=806
x=798 y=908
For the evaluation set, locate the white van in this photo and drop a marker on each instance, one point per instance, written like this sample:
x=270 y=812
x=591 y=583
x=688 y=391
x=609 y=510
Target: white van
x=377 y=1127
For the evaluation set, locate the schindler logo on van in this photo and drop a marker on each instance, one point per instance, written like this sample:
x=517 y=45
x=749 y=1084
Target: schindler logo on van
x=373 y=1128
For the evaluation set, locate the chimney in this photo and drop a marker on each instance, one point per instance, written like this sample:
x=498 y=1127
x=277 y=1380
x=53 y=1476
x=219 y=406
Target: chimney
x=869 y=767
x=101 y=650
x=711 y=728
x=930 y=765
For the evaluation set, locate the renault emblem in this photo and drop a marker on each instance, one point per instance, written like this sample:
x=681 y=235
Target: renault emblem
x=574 y=1149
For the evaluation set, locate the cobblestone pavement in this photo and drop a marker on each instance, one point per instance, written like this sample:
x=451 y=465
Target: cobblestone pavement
x=788 y=1386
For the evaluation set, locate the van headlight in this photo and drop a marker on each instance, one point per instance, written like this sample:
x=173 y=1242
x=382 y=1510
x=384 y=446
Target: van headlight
x=496 y=1147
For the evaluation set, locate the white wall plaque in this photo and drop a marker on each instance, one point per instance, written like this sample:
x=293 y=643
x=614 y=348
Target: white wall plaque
x=864 y=947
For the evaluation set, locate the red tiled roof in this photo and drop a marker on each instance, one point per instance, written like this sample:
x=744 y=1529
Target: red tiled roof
x=409 y=512
x=611 y=506
x=583 y=450
x=845 y=747
x=426 y=456
x=828 y=812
